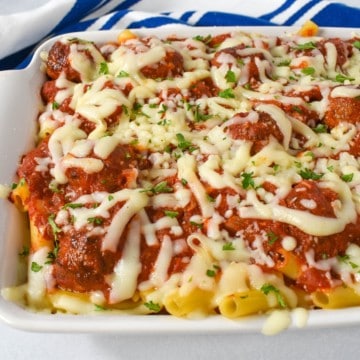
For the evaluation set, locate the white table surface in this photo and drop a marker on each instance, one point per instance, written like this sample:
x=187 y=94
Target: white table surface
x=308 y=344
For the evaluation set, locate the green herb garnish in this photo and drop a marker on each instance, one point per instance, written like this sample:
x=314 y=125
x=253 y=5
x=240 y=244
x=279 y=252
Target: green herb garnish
x=356 y=44
x=161 y=187
x=347 y=177
x=25 y=251
x=171 y=214
x=210 y=273
x=35 y=267
x=342 y=78
x=122 y=74
x=230 y=76
x=320 y=128
x=308 y=71
x=153 y=306
x=55 y=105
x=306 y=46
x=198 y=225
x=184 y=144
x=308 y=174
x=204 y=39
x=272 y=237
x=228 y=246
x=104 y=68
x=55 y=229
x=227 y=94
x=95 y=220
x=267 y=288
x=73 y=206
x=247 y=180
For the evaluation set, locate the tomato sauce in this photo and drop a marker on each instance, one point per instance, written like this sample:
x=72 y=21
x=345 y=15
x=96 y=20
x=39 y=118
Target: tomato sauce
x=257 y=132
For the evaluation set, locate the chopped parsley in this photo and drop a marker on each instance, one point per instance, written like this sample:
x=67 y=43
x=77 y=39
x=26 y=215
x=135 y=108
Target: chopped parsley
x=284 y=63
x=122 y=74
x=211 y=273
x=161 y=187
x=306 y=46
x=227 y=94
x=35 y=267
x=276 y=167
x=184 y=181
x=137 y=110
x=99 y=307
x=230 y=76
x=240 y=61
x=55 y=229
x=272 y=237
x=198 y=225
x=54 y=187
x=171 y=214
x=125 y=109
x=95 y=220
x=346 y=260
x=228 y=246
x=55 y=105
x=210 y=198
x=308 y=174
x=72 y=205
x=164 y=122
x=52 y=255
x=204 y=39
x=104 y=68
x=320 y=128
x=152 y=306
x=310 y=154
x=308 y=71
x=342 y=78
x=111 y=197
x=13 y=186
x=163 y=109
x=347 y=177
x=25 y=251
x=356 y=44
x=184 y=144
x=247 y=180
x=198 y=116
x=268 y=288
x=297 y=109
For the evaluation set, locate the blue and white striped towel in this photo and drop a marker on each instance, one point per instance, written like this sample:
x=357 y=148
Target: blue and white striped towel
x=25 y=23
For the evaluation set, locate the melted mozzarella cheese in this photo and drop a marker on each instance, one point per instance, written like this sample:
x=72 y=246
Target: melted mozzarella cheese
x=37 y=276
x=61 y=143
x=135 y=202
x=276 y=322
x=124 y=280
x=186 y=170
x=307 y=222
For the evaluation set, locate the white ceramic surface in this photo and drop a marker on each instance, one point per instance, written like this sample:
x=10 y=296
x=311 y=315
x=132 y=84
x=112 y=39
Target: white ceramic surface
x=19 y=94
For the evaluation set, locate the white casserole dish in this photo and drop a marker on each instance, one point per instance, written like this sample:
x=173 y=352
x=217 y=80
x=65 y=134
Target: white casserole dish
x=19 y=91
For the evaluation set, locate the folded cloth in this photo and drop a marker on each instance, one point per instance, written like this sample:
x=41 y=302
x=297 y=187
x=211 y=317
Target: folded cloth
x=23 y=25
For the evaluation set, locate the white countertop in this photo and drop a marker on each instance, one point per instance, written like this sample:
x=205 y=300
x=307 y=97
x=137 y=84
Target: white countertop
x=307 y=344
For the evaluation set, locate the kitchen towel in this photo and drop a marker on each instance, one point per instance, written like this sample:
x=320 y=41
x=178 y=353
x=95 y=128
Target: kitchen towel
x=25 y=24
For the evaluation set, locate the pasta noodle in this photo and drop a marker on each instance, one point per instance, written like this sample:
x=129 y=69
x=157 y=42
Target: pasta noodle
x=193 y=176
x=245 y=303
x=339 y=297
